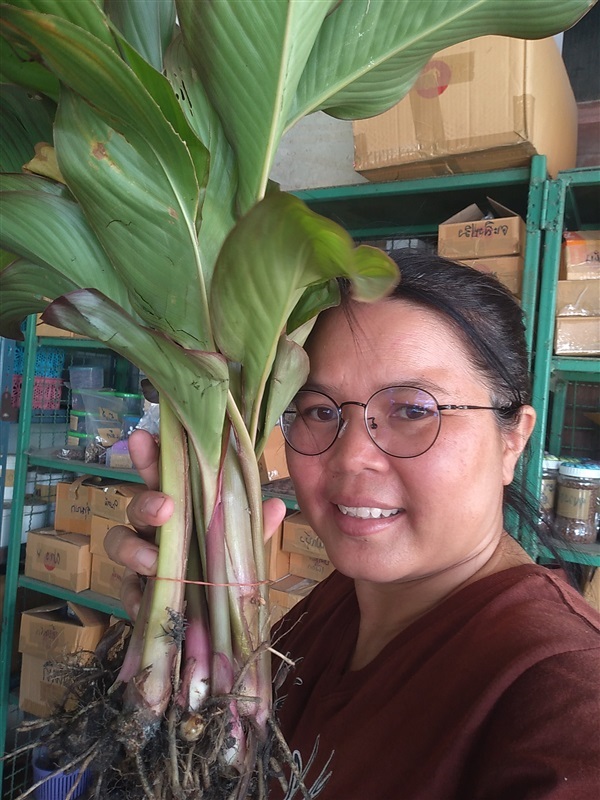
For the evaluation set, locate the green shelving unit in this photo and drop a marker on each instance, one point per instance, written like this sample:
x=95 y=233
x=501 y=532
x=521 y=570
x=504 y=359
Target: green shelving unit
x=572 y=202
x=28 y=456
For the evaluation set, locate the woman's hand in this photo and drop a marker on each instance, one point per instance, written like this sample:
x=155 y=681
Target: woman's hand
x=148 y=510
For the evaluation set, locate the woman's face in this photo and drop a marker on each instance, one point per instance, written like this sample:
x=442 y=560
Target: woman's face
x=447 y=502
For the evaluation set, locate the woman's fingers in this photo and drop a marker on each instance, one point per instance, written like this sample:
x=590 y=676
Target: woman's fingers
x=128 y=548
x=149 y=510
x=131 y=593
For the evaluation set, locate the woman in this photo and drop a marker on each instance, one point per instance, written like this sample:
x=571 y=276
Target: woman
x=438 y=662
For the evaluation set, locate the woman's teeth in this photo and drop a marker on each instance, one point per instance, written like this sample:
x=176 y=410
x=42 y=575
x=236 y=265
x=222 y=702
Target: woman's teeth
x=368 y=513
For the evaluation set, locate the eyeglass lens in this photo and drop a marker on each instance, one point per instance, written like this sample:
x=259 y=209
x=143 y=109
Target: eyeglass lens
x=402 y=421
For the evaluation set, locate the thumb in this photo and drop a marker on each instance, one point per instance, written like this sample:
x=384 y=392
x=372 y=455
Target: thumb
x=273 y=513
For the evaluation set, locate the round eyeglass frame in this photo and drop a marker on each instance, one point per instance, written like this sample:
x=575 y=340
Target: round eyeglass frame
x=341 y=422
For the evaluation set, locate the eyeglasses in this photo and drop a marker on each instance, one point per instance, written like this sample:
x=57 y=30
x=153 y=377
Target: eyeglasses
x=403 y=421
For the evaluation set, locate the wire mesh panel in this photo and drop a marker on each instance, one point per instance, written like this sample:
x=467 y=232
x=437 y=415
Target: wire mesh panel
x=579 y=431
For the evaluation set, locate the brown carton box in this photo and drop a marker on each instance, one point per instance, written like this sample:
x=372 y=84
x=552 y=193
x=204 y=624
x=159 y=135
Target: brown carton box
x=577 y=336
x=508 y=270
x=484 y=104
x=579 y=298
x=106 y=576
x=73 y=513
x=468 y=235
x=42 y=688
x=58 y=628
x=580 y=255
x=111 y=501
x=58 y=558
x=308 y=567
x=299 y=537
x=272 y=464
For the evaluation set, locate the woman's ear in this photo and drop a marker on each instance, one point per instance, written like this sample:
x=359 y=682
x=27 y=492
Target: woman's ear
x=515 y=440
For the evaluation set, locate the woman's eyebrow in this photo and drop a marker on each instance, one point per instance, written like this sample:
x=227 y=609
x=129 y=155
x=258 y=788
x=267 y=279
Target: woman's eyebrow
x=415 y=383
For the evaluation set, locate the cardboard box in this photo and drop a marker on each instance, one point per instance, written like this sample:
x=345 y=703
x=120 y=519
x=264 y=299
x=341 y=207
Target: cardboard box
x=73 y=513
x=58 y=628
x=42 y=689
x=308 y=567
x=578 y=298
x=25 y=599
x=485 y=104
x=580 y=255
x=272 y=464
x=468 y=235
x=106 y=576
x=111 y=501
x=508 y=270
x=299 y=537
x=577 y=336
x=61 y=559
x=278 y=560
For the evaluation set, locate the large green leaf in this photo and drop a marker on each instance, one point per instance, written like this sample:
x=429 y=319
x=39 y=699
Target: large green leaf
x=278 y=249
x=28 y=288
x=26 y=120
x=51 y=230
x=218 y=207
x=18 y=68
x=250 y=57
x=146 y=24
x=86 y=14
x=195 y=383
x=134 y=209
x=97 y=73
x=369 y=51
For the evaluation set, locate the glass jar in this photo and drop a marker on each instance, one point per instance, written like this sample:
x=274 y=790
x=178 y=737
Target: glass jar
x=550 y=465
x=578 y=502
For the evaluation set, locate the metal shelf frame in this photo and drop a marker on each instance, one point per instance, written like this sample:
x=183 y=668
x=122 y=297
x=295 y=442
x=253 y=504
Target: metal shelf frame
x=572 y=203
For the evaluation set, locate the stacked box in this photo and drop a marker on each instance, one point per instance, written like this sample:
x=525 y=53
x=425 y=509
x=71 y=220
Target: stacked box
x=51 y=635
x=494 y=245
x=577 y=331
x=59 y=558
x=297 y=562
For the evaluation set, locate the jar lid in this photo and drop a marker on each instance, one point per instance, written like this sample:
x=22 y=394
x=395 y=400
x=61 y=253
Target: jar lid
x=590 y=470
x=550 y=462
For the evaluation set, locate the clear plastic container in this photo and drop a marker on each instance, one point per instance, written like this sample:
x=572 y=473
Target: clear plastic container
x=132 y=403
x=86 y=377
x=577 y=505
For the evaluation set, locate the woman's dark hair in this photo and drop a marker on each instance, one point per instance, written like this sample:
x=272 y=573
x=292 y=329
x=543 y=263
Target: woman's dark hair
x=489 y=320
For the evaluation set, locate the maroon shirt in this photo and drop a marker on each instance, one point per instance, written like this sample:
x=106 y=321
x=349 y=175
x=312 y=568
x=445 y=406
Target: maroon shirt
x=492 y=694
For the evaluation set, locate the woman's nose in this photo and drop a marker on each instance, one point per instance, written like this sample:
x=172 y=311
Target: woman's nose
x=354 y=449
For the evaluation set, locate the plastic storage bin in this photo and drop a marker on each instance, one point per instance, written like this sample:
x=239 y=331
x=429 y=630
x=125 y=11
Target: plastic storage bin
x=46 y=392
x=86 y=377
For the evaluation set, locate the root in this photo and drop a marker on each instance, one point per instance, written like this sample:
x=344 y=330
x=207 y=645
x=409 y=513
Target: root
x=179 y=758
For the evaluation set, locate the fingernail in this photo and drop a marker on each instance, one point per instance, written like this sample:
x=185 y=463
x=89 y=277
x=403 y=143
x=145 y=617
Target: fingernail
x=153 y=505
x=147 y=557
